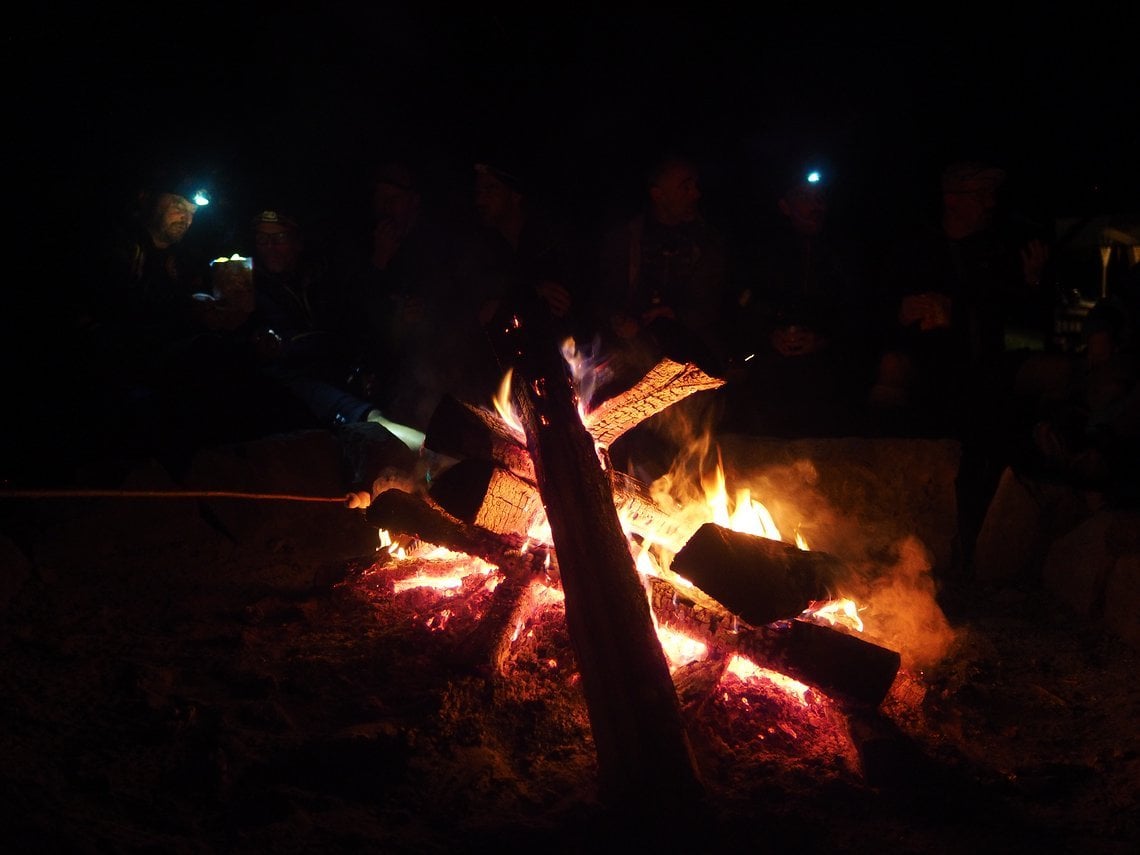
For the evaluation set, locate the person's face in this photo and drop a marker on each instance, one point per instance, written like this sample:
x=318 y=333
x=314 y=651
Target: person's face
x=173 y=215
x=277 y=248
x=806 y=209
x=676 y=195
x=972 y=205
x=494 y=200
x=397 y=204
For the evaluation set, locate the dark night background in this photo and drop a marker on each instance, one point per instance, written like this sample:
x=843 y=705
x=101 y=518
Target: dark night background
x=285 y=104
x=290 y=97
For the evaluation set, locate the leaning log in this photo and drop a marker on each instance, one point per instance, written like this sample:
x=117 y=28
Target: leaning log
x=644 y=757
x=759 y=579
x=396 y=510
x=665 y=384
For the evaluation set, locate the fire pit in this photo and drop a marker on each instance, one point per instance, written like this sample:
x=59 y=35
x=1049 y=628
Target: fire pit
x=210 y=674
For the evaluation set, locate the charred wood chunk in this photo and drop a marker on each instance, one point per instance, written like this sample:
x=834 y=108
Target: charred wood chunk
x=463 y=430
x=487 y=649
x=760 y=580
x=839 y=662
x=483 y=494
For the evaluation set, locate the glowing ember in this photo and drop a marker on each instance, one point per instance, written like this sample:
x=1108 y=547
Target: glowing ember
x=423 y=581
x=745 y=670
x=679 y=648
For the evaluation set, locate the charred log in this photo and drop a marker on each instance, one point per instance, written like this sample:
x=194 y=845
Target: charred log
x=760 y=580
x=486 y=650
x=644 y=757
x=843 y=666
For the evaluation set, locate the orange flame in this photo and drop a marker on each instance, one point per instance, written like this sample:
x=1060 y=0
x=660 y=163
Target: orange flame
x=502 y=402
x=843 y=612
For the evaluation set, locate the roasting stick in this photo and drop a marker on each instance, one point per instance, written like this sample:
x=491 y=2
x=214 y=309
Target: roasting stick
x=173 y=494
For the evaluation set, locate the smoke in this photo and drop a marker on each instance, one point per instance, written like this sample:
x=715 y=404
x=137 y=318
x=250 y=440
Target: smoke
x=901 y=611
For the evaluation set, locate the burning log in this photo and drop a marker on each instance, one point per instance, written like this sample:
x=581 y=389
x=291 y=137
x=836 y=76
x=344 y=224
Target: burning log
x=644 y=757
x=482 y=494
x=840 y=664
x=463 y=430
x=760 y=580
x=397 y=510
x=487 y=648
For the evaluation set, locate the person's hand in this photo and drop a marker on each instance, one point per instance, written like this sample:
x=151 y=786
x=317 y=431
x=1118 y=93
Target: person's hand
x=1034 y=256
x=556 y=296
x=930 y=311
x=795 y=341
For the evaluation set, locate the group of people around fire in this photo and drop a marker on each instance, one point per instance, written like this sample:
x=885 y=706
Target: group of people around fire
x=290 y=322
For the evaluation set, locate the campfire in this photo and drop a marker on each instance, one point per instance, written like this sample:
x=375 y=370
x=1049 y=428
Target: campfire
x=702 y=600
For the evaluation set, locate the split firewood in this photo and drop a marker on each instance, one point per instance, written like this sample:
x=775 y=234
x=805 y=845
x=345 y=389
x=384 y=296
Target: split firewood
x=840 y=664
x=644 y=757
x=667 y=383
x=760 y=580
x=462 y=430
x=483 y=494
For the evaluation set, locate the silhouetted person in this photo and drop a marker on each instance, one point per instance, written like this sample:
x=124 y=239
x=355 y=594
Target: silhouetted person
x=802 y=322
x=662 y=278
x=533 y=261
x=952 y=290
x=661 y=290
x=131 y=312
x=294 y=323
x=414 y=303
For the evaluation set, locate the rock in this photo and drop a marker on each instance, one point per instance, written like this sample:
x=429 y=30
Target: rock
x=1078 y=564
